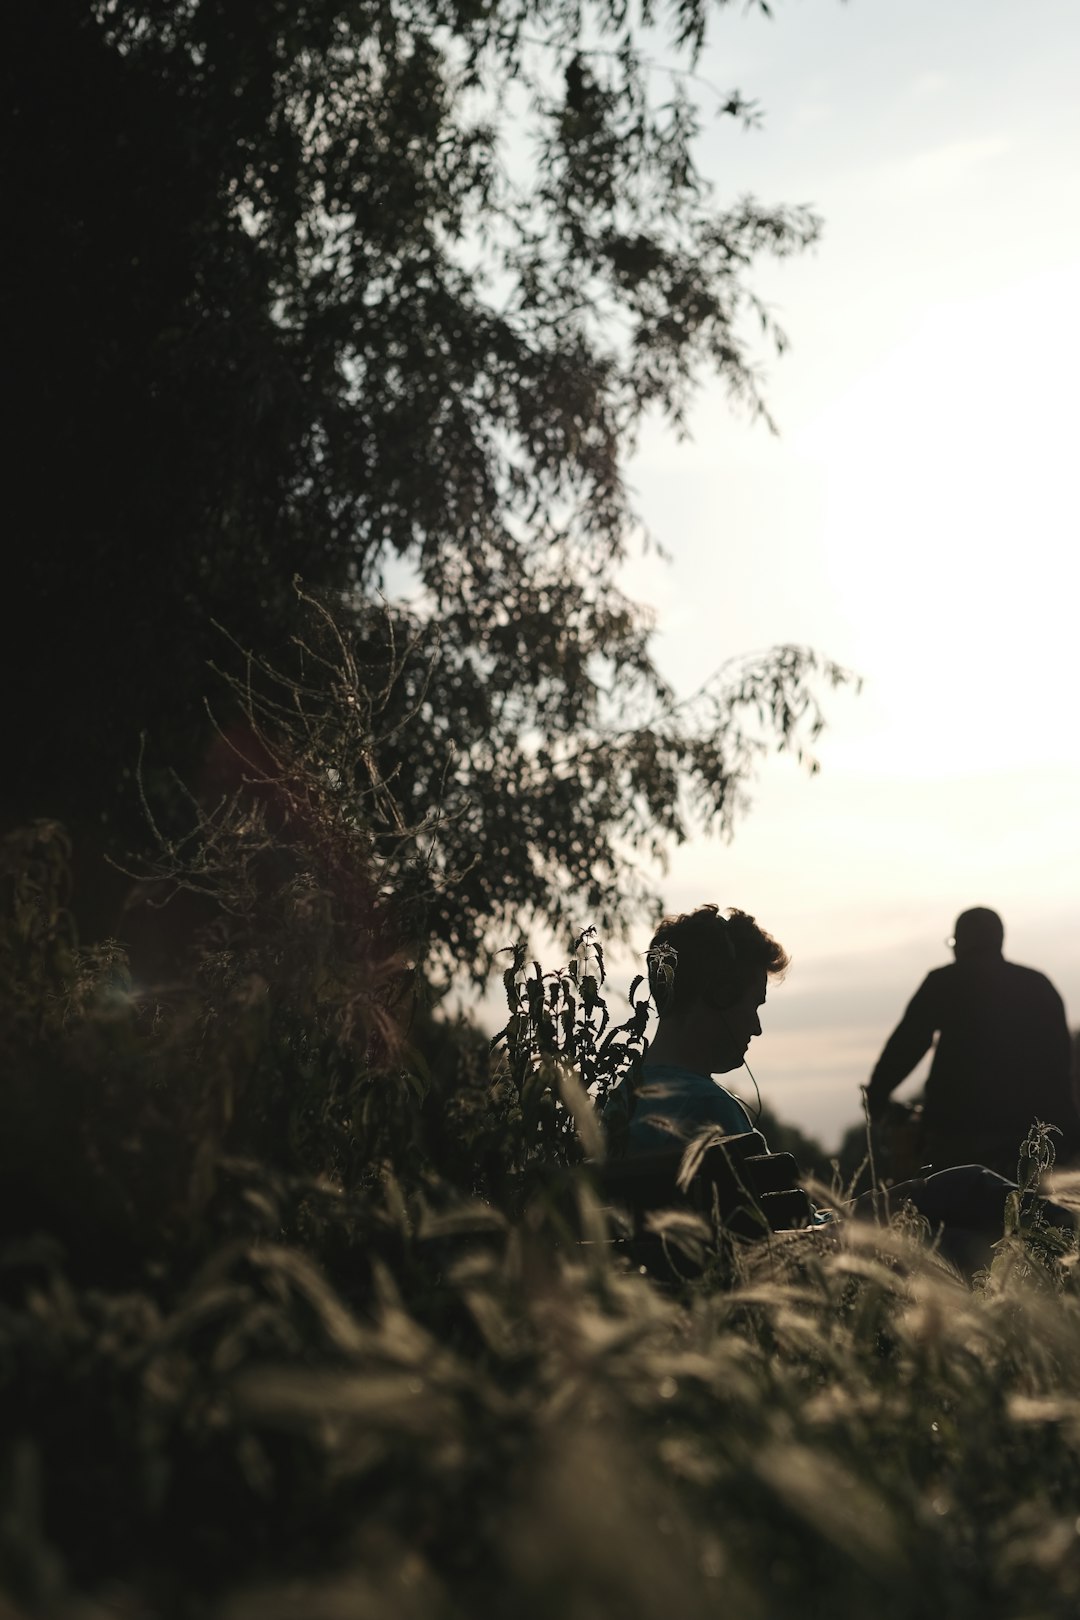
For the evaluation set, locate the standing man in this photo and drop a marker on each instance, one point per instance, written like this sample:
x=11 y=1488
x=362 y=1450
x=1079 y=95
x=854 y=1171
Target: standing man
x=1002 y=1058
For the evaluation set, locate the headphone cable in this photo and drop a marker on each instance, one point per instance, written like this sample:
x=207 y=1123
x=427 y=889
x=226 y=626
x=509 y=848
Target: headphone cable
x=757 y=1092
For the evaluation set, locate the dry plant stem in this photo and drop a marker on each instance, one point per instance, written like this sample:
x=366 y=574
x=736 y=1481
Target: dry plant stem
x=880 y=1193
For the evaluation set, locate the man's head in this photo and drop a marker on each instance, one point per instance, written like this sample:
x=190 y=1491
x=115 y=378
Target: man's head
x=708 y=975
x=978 y=932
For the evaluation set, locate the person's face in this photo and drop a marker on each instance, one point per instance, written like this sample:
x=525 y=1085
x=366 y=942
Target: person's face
x=733 y=1027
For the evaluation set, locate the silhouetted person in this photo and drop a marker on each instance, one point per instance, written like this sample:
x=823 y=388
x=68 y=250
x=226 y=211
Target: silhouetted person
x=1002 y=1057
x=708 y=975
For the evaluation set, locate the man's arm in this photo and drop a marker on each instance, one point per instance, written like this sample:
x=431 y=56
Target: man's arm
x=909 y=1041
x=1061 y=1037
x=1056 y=1061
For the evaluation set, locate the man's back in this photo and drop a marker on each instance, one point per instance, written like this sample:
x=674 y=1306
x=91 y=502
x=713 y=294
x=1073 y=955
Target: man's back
x=1002 y=1060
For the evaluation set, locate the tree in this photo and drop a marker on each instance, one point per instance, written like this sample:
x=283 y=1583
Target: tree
x=333 y=289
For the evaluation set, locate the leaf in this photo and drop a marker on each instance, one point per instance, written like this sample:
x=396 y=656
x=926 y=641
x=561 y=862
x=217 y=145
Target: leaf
x=573 y=1096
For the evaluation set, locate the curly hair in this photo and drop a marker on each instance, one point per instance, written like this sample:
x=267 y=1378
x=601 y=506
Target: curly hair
x=703 y=953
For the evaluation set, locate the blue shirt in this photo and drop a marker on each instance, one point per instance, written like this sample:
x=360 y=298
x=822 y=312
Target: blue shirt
x=673 y=1104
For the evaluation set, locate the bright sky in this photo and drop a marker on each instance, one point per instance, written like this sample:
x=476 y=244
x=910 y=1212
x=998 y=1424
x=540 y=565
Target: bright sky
x=917 y=519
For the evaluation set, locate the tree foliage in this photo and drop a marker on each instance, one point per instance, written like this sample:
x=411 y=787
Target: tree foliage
x=375 y=294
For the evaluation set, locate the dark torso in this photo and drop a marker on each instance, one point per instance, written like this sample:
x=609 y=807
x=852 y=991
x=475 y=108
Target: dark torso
x=1002 y=1055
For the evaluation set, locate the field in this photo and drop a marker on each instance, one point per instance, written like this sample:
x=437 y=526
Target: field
x=288 y=1330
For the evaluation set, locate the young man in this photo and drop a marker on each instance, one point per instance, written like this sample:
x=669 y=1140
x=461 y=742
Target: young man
x=709 y=977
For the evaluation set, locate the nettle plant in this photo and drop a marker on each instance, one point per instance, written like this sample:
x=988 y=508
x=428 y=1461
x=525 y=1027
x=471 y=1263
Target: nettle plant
x=1030 y=1248
x=562 y=1055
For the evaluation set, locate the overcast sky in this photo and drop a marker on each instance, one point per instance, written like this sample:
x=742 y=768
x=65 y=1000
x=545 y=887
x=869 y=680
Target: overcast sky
x=916 y=519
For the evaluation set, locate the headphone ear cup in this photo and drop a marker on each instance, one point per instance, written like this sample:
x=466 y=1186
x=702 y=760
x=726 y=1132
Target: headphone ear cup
x=662 y=962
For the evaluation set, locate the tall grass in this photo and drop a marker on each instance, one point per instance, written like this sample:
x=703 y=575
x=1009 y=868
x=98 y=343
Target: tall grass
x=289 y=1326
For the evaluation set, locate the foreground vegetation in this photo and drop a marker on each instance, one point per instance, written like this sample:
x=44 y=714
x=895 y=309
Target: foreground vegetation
x=293 y=1323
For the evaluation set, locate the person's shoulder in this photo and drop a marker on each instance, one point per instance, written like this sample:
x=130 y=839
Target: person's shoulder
x=1031 y=979
x=673 y=1073
x=670 y=1084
